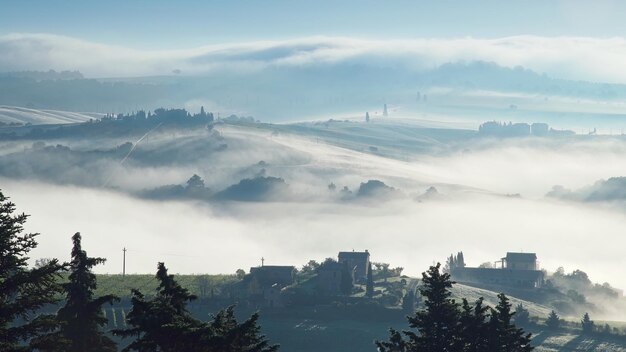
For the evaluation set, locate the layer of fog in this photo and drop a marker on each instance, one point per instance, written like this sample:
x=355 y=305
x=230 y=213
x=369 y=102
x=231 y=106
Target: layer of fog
x=195 y=238
x=471 y=214
x=591 y=59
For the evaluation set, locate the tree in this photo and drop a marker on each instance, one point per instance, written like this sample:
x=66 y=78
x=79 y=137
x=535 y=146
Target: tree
x=587 y=324
x=408 y=302
x=437 y=325
x=382 y=270
x=474 y=328
x=240 y=274
x=164 y=324
x=81 y=318
x=23 y=291
x=346 y=283
x=441 y=327
x=369 y=285
x=553 y=322
x=195 y=182
x=229 y=336
x=504 y=336
x=522 y=316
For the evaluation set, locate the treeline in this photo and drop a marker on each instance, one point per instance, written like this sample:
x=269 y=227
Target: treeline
x=447 y=326
x=157 y=323
x=138 y=122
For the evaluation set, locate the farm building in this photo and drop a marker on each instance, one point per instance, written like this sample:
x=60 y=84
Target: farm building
x=358 y=262
x=515 y=270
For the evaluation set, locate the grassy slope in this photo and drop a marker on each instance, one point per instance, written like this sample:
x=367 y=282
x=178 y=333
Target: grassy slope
x=318 y=332
x=147 y=283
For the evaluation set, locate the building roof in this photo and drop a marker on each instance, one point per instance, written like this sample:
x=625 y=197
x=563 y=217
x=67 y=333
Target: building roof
x=272 y=274
x=283 y=269
x=514 y=256
x=354 y=255
x=331 y=266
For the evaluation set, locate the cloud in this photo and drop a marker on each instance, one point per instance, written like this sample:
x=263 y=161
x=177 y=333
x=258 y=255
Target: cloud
x=594 y=59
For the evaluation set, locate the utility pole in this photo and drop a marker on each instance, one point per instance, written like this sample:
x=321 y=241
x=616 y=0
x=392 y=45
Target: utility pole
x=124 y=263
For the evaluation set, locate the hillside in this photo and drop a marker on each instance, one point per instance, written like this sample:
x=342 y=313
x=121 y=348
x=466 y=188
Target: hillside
x=340 y=328
x=20 y=115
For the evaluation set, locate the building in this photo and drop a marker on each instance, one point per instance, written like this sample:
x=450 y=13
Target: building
x=520 y=261
x=329 y=276
x=515 y=270
x=358 y=263
x=264 y=285
x=269 y=275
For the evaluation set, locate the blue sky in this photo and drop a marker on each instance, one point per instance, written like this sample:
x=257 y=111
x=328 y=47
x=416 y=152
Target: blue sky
x=158 y=24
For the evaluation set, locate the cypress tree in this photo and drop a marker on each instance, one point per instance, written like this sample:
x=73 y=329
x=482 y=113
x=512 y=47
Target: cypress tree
x=587 y=324
x=346 y=283
x=23 y=290
x=408 y=302
x=369 y=286
x=82 y=317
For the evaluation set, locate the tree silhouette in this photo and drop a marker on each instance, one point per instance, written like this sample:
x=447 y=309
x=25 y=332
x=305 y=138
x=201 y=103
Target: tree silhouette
x=369 y=285
x=587 y=324
x=474 y=328
x=553 y=322
x=522 y=316
x=437 y=326
x=441 y=327
x=81 y=318
x=164 y=324
x=408 y=302
x=227 y=335
x=23 y=291
x=346 y=283
x=504 y=336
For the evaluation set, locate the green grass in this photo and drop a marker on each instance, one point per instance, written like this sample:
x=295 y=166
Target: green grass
x=147 y=283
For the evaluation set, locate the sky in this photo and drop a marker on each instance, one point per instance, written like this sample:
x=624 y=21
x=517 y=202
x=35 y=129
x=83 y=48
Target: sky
x=158 y=24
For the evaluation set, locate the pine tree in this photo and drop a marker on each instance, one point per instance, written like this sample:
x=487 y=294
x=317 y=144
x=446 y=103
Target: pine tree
x=522 y=316
x=437 y=326
x=227 y=335
x=587 y=324
x=504 y=336
x=474 y=328
x=553 y=322
x=164 y=324
x=82 y=317
x=369 y=285
x=23 y=291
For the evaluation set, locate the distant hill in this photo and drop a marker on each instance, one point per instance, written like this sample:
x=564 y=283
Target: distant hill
x=17 y=115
